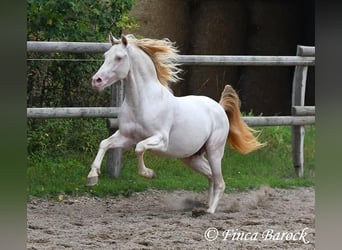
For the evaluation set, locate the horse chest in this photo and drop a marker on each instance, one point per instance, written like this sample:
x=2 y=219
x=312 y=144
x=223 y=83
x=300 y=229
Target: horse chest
x=133 y=130
x=141 y=123
x=134 y=126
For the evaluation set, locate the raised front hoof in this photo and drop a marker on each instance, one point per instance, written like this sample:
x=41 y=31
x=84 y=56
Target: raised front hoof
x=148 y=174
x=92 y=181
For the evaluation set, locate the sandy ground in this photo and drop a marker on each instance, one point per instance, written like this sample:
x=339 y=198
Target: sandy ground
x=258 y=219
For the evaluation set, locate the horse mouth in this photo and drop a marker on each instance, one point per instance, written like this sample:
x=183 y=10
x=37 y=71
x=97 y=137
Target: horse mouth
x=98 y=88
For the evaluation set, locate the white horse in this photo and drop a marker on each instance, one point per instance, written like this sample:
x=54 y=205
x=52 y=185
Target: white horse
x=152 y=118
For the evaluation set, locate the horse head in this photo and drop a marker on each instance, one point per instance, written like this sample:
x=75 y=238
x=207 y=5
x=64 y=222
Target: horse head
x=115 y=66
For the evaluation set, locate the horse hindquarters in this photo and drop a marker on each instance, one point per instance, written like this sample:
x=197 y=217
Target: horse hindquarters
x=210 y=168
x=195 y=120
x=215 y=147
x=210 y=123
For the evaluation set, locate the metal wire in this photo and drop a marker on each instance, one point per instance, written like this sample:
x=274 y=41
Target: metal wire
x=64 y=60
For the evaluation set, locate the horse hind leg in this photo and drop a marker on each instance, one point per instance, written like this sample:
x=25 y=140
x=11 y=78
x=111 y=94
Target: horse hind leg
x=201 y=165
x=219 y=186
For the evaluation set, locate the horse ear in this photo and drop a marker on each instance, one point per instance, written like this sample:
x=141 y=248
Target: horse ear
x=124 y=40
x=112 y=39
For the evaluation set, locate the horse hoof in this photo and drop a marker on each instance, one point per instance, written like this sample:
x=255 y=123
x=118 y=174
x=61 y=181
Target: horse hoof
x=92 y=181
x=154 y=175
x=210 y=211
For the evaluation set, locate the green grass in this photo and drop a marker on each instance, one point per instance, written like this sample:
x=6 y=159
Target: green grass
x=49 y=175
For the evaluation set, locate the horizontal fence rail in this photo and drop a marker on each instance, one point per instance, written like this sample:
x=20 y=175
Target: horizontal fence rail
x=197 y=60
x=306 y=50
x=67 y=47
x=46 y=113
x=112 y=112
x=279 y=120
x=213 y=60
x=304 y=110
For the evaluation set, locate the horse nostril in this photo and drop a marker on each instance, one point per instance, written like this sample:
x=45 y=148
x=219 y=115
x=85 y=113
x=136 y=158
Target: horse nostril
x=98 y=80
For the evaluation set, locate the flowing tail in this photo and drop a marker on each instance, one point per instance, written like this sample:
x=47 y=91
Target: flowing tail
x=240 y=136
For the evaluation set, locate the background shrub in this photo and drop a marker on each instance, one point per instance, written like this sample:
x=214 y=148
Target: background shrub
x=63 y=80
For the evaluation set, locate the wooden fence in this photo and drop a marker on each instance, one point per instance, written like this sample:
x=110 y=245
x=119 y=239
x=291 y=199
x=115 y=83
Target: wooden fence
x=301 y=115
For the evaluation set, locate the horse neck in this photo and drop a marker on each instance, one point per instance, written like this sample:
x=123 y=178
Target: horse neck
x=142 y=84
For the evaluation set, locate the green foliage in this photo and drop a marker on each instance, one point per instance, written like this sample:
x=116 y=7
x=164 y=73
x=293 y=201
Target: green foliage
x=272 y=164
x=60 y=82
x=65 y=80
x=57 y=137
x=73 y=20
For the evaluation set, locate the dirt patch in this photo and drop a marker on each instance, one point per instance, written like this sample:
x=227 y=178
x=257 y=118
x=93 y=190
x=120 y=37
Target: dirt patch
x=258 y=219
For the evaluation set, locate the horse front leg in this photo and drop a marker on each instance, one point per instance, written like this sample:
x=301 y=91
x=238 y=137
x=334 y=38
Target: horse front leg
x=156 y=143
x=115 y=141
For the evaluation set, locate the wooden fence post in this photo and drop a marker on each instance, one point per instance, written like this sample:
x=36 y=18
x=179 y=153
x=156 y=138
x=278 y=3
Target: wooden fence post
x=114 y=156
x=298 y=99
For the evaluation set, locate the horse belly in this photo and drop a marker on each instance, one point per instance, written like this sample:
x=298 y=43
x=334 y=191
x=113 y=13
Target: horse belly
x=198 y=118
x=184 y=143
x=188 y=135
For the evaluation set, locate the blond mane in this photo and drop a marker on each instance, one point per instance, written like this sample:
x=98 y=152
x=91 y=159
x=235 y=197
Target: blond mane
x=163 y=55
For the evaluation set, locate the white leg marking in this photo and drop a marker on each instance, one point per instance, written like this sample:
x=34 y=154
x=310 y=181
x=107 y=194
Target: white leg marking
x=219 y=186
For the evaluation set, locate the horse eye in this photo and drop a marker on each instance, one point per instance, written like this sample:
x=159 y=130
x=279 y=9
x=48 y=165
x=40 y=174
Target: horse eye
x=118 y=58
